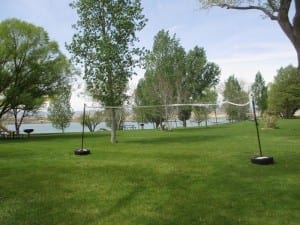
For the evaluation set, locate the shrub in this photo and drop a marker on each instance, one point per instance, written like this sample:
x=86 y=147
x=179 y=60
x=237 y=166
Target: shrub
x=270 y=120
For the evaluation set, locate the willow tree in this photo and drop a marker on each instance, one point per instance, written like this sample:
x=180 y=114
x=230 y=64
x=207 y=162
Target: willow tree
x=105 y=45
x=32 y=68
x=277 y=10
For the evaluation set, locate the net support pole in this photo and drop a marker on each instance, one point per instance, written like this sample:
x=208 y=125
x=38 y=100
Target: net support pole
x=256 y=125
x=82 y=151
x=83 y=125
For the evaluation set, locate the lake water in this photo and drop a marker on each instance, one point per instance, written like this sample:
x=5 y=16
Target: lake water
x=42 y=128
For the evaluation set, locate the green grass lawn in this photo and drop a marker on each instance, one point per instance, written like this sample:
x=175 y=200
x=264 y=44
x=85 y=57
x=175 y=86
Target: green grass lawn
x=187 y=176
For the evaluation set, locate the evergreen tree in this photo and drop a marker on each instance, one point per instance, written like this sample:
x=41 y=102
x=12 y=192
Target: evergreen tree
x=260 y=92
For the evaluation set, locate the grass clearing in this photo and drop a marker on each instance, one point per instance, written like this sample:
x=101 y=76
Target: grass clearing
x=187 y=176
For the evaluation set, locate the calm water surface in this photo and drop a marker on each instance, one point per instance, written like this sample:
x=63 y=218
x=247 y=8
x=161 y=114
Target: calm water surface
x=43 y=128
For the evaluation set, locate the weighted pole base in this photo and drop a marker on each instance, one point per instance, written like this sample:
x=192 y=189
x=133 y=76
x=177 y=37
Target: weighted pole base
x=82 y=151
x=262 y=160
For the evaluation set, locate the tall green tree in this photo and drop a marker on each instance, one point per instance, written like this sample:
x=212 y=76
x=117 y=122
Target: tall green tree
x=277 y=10
x=199 y=78
x=144 y=96
x=105 y=45
x=164 y=65
x=260 y=92
x=234 y=93
x=200 y=74
x=174 y=76
x=59 y=111
x=31 y=68
x=284 y=94
x=209 y=96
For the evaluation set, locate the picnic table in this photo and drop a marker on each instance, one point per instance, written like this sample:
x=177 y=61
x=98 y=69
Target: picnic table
x=7 y=134
x=28 y=131
x=129 y=127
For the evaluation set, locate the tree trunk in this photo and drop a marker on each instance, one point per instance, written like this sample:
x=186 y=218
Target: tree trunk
x=205 y=118
x=290 y=28
x=298 y=56
x=113 y=137
x=292 y=31
x=184 y=123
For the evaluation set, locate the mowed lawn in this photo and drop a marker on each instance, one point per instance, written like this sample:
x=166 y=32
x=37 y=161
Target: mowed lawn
x=187 y=176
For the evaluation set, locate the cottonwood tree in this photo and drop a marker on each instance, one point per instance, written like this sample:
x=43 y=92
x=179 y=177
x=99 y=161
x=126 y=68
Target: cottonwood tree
x=92 y=120
x=234 y=92
x=144 y=96
x=277 y=10
x=284 y=94
x=31 y=68
x=59 y=111
x=209 y=96
x=200 y=75
x=105 y=45
x=172 y=76
x=163 y=68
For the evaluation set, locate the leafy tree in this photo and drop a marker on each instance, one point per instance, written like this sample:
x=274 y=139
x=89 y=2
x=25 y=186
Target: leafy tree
x=104 y=44
x=144 y=96
x=260 y=92
x=172 y=76
x=121 y=115
x=234 y=93
x=209 y=95
x=284 y=95
x=59 y=111
x=92 y=120
x=31 y=68
x=200 y=76
x=277 y=10
x=19 y=112
x=164 y=64
x=184 y=113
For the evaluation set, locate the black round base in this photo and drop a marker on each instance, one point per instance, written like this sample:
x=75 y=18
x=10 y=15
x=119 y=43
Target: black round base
x=262 y=160
x=82 y=151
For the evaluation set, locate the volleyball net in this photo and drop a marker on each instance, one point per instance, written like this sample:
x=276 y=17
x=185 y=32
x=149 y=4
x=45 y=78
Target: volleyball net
x=166 y=116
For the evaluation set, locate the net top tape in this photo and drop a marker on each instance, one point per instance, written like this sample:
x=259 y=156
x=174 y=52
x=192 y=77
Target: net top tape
x=171 y=105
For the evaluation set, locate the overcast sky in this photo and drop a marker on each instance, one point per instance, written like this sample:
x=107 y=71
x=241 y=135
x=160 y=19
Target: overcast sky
x=240 y=42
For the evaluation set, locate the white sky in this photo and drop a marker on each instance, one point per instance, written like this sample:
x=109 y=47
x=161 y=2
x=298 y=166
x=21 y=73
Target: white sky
x=240 y=42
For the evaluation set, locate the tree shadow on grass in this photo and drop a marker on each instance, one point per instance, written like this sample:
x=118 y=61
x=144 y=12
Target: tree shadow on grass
x=121 y=203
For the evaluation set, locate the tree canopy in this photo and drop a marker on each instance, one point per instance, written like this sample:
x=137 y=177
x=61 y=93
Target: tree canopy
x=31 y=66
x=173 y=76
x=260 y=92
x=234 y=92
x=105 y=45
x=277 y=10
x=284 y=94
x=59 y=111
